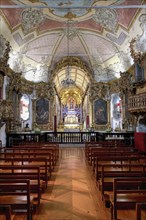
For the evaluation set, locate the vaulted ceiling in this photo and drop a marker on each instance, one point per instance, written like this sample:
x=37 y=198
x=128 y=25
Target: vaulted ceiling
x=43 y=32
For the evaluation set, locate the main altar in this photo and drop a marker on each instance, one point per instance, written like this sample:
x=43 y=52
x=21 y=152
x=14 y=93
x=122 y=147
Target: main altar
x=71 y=121
x=71 y=116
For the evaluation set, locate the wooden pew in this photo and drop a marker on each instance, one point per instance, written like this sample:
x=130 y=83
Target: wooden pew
x=109 y=172
x=25 y=172
x=41 y=162
x=34 y=152
x=115 y=160
x=111 y=153
x=52 y=146
x=139 y=207
x=6 y=210
x=101 y=150
x=103 y=144
x=97 y=144
x=51 y=149
x=88 y=145
x=16 y=193
x=31 y=155
x=127 y=192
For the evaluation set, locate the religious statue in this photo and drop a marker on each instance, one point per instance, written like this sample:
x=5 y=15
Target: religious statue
x=71 y=103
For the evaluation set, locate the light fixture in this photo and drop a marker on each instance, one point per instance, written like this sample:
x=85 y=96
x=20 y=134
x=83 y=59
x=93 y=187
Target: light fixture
x=68 y=81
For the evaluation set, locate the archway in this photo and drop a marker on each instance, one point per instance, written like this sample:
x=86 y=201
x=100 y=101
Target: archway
x=71 y=81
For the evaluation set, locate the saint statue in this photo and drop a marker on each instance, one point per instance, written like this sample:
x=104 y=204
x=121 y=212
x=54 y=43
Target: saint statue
x=71 y=104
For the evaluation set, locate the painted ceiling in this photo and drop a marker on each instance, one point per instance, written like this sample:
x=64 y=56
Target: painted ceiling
x=42 y=32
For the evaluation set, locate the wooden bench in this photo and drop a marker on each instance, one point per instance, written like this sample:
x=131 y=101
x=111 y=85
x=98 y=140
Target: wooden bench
x=109 y=172
x=50 y=150
x=25 y=172
x=6 y=210
x=16 y=193
x=25 y=154
x=127 y=192
x=105 y=150
x=139 y=207
x=41 y=162
x=52 y=146
x=103 y=144
x=115 y=160
x=111 y=153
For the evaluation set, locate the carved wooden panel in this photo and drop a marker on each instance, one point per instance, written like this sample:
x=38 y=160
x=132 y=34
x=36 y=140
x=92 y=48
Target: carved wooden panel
x=137 y=103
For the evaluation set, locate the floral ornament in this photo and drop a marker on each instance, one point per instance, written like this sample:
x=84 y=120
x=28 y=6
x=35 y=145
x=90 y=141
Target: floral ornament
x=31 y=18
x=107 y=18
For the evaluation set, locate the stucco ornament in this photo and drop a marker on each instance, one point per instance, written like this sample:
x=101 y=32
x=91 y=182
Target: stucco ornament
x=31 y=18
x=70 y=30
x=138 y=44
x=107 y=18
x=3 y=46
x=16 y=61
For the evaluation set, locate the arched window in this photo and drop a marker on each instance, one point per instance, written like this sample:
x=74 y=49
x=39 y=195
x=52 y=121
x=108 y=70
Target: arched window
x=116 y=112
x=24 y=107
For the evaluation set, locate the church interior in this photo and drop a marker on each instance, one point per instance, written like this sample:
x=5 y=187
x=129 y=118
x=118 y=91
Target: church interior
x=72 y=82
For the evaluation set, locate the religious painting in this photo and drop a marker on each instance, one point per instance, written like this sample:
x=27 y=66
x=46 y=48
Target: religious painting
x=139 y=73
x=42 y=111
x=100 y=112
x=57 y=5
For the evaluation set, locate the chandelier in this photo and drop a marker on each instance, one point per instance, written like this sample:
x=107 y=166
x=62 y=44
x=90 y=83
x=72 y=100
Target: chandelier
x=67 y=82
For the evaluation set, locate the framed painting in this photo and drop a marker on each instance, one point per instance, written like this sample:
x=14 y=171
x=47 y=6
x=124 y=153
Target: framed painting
x=42 y=111
x=139 y=73
x=100 y=112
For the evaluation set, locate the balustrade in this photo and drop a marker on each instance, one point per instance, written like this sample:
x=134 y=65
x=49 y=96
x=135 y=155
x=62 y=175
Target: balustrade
x=67 y=137
x=137 y=103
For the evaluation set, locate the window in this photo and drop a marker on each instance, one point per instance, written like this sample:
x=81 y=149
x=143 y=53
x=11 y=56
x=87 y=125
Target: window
x=24 y=107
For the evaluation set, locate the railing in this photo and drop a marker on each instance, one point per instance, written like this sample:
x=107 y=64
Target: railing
x=137 y=103
x=67 y=137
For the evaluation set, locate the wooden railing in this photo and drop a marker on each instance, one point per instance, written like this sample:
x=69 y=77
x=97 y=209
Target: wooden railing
x=137 y=103
x=67 y=137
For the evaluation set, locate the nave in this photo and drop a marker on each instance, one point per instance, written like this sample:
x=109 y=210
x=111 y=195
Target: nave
x=72 y=193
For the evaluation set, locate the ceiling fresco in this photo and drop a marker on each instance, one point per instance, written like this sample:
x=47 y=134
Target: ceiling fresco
x=42 y=32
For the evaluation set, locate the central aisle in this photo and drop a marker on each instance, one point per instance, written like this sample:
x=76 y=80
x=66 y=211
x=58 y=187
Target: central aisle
x=71 y=194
